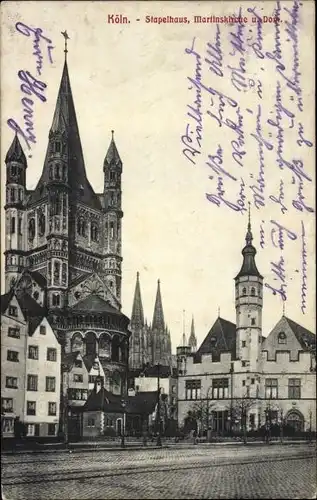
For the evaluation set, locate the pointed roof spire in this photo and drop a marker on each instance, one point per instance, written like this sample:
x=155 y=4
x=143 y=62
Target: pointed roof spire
x=158 y=316
x=65 y=129
x=184 y=334
x=248 y=266
x=137 y=316
x=112 y=156
x=192 y=341
x=15 y=152
x=284 y=307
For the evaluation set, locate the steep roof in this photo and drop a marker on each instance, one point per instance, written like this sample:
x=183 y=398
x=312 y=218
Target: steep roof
x=89 y=360
x=141 y=403
x=39 y=278
x=5 y=300
x=68 y=359
x=137 y=316
x=158 y=315
x=95 y=303
x=34 y=323
x=112 y=156
x=220 y=338
x=29 y=306
x=152 y=371
x=15 y=152
x=306 y=338
x=65 y=125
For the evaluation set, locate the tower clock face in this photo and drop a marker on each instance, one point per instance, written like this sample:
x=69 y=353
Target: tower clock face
x=25 y=285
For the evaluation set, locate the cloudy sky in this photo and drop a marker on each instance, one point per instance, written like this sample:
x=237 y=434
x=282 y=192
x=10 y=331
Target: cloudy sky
x=133 y=78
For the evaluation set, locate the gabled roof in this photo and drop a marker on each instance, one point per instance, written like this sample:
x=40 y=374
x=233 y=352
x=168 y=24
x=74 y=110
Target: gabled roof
x=34 y=323
x=95 y=303
x=103 y=400
x=68 y=359
x=29 y=306
x=39 y=278
x=221 y=338
x=306 y=338
x=89 y=360
x=5 y=300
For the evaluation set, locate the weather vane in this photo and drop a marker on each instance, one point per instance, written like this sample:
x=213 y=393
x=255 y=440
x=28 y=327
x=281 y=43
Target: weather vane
x=66 y=37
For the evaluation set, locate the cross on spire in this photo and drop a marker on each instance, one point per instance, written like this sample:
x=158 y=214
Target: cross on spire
x=66 y=37
x=184 y=336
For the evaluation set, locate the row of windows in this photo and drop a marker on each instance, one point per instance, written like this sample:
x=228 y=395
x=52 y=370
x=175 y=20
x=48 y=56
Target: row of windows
x=32 y=383
x=33 y=353
x=14 y=332
x=78 y=394
x=14 y=194
x=7 y=407
x=82 y=229
x=31 y=429
x=220 y=388
x=252 y=292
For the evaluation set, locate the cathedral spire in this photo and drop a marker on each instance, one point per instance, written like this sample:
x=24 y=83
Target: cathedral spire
x=249 y=266
x=158 y=316
x=137 y=316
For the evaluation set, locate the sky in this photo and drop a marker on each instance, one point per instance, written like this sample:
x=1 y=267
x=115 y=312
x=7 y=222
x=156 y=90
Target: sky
x=134 y=78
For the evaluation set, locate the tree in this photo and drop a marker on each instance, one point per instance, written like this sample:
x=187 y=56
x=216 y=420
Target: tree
x=238 y=412
x=201 y=411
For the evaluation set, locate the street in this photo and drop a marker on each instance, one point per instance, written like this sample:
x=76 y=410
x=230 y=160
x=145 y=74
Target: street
x=252 y=471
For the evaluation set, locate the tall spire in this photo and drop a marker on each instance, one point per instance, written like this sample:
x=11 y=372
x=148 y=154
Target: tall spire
x=15 y=152
x=64 y=130
x=158 y=316
x=248 y=266
x=184 y=334
x=137 y=316
x=192 y=341
x=249 y=236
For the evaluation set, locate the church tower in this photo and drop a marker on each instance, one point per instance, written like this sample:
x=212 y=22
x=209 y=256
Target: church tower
x=192 y=341
x=16 y=165
x=112 y=168
x=158 y=329
x=137 y=327
x=249 y=303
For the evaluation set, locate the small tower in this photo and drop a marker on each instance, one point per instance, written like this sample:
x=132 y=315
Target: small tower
x=192 y=341
x=182 y=352
x=137 y=326
x=16 y=166
x=112 y=168
x=249 y=303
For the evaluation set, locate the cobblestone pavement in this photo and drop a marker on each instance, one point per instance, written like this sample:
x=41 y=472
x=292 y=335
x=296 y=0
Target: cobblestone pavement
x=197 y=472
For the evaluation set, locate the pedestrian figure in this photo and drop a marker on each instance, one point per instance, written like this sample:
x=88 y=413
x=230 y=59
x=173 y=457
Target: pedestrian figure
x=194 y=437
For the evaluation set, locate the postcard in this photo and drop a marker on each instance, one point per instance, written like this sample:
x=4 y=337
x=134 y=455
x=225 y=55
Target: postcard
x=158 y=249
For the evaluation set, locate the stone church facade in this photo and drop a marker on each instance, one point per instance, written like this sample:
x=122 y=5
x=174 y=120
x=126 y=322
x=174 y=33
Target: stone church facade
x=63 y=243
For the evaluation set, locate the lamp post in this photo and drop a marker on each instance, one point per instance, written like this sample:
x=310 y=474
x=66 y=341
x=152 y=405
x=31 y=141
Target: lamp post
x=158 y=442
x=123 y=404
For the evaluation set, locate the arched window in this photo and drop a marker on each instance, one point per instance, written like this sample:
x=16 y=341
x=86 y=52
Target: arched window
x=56 y=275
x=253 y=291
x=12 y=194
x=41 y=224
x=64 y=173
x=244 y=291
x=57 y=171
x=81 y=227
x=115 y=349
x=31 y=228
x=111 y=230
x=90 y=343
x=57 y=147
x=94 y=232
x=104 y=346
x=116 y=383
x=51 y=172
x=282 y=338
x=55 y=299
x=77 y=343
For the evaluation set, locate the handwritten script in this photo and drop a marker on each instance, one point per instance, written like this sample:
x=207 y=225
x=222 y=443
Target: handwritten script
x=31 y=87
x=246 y=125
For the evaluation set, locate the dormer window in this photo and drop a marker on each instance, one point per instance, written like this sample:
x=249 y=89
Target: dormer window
x=281 y=338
